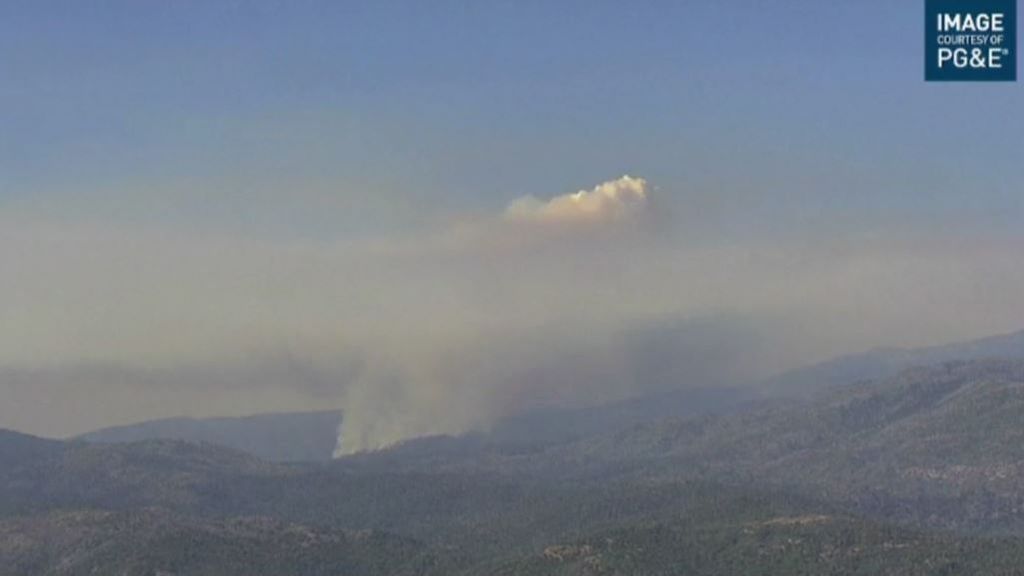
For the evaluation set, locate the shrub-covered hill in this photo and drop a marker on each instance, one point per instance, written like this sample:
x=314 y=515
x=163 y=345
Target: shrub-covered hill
x=942 y=445
x=807 y=545
x=149 y=542
x=923 y=465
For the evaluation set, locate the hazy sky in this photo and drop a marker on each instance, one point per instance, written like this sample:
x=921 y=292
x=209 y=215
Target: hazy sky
x=230 y=207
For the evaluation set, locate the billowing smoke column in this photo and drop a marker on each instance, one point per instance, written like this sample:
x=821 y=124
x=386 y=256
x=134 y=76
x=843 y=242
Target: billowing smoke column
x=434 y=386
x=407 y=398
x=439 y=392
x=525 y=308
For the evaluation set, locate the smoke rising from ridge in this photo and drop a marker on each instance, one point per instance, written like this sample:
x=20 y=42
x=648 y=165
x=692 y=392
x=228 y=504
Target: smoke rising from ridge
x=570 y=275
x=583 y=298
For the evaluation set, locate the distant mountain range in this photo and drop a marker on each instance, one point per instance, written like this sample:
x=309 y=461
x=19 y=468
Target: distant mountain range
x=311 y=436
x=286 y=437
x=884 y=362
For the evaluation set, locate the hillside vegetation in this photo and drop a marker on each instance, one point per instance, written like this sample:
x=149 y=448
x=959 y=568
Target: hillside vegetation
x=917 y=474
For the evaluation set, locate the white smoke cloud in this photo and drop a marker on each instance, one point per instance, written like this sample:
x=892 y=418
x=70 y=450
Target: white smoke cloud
x=610 y=201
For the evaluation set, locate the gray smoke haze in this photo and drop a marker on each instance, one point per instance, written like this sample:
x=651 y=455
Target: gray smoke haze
x=66 y=400
x=580 y=299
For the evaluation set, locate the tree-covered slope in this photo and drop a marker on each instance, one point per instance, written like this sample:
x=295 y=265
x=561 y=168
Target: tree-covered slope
x=884 y=476
x=148 y=542
x=942 y=445
x=806 y=545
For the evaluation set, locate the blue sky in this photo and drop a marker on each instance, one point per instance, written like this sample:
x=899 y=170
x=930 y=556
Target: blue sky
x=332 y=119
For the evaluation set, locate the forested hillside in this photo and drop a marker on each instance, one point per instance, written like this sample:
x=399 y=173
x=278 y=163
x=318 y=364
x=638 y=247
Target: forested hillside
x=917 y=474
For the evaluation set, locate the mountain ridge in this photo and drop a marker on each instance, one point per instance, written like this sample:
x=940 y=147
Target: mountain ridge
x=883 y=362
x=276 y=437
